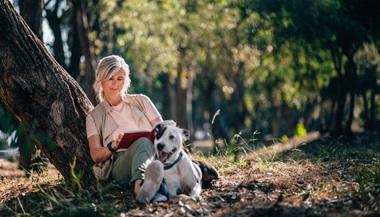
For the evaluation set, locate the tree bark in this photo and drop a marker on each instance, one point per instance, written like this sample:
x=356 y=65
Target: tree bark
x=181 y=92
x=351 y=82
x=372 y=119
x=87 y=48
x=55 y=23
x=42 y=96
x=76 y=51
x=166 y=96
x=31 y=12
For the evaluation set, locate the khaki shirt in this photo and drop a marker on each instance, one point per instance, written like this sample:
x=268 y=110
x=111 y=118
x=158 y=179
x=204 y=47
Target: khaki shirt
x=106 y=125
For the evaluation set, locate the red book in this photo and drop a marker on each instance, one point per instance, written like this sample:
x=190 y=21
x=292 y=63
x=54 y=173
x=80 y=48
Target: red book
x=131 y=136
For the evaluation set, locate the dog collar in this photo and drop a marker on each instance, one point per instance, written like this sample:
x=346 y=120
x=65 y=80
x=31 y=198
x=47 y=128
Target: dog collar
x=174 y=163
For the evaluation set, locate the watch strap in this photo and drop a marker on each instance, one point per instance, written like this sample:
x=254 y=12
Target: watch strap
x=110 y=147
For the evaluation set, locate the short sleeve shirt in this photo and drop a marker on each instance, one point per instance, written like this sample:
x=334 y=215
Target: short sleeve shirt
x=122 y=115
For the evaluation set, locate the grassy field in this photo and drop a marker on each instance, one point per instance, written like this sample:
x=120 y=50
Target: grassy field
x=310 y=176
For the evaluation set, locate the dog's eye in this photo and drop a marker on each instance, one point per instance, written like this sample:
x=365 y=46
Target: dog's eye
x=171 y=137
x=160 y=131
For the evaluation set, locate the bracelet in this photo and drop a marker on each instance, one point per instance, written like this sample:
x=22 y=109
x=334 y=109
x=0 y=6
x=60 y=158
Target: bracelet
x=110 y=147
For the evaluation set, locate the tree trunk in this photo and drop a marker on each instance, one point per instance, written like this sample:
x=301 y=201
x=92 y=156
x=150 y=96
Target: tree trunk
x=372 y=119
x=31 y=12
x=366 y=111
x=189 y=103
x=42 y=96
x=181 y=91
x=87 y=48
x=332 y=113
x=76 y=53
x=55 y=23
x=341 y=102
x=351 y=82
x=166 y=99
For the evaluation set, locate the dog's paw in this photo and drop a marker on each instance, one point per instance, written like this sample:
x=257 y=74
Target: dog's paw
x=209 y=173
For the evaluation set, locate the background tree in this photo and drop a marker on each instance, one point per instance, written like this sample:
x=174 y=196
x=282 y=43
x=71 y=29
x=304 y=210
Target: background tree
x=330 y=23
x=83 y=29
x=70 y=19
x=266 y=66
x=367 y=60
x=57 y=17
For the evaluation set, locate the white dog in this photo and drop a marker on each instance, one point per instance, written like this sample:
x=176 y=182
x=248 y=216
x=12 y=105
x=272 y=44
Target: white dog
x=172 y=166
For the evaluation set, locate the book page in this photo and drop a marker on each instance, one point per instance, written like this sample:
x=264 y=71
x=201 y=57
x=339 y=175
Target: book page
x=136 y=131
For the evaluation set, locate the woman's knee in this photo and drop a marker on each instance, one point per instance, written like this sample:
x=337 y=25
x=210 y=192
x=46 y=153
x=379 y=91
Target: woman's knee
x=145 y=144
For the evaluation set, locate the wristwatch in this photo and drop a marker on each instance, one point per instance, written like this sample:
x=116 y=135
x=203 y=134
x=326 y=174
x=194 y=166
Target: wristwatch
x=110 y=147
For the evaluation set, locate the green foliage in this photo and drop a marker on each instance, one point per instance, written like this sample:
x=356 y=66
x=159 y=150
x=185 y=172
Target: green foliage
x=284 y=138
x=368 y=177
x=63 y=200
x=268 y=57
x=238 y=147
x=75 y=178
x=328 y=152
x=300 y=130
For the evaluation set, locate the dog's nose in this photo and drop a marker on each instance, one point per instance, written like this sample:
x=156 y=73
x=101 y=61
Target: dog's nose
x=160 y=146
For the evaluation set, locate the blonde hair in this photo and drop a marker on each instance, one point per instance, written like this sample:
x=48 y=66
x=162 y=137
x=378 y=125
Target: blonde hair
x=107 y=67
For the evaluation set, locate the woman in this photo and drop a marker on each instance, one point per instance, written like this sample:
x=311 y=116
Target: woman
x=116 y=113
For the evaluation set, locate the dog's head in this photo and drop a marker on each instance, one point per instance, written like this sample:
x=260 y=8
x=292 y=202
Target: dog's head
x=168 y=142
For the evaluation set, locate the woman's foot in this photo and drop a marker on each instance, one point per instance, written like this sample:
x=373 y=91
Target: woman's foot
x=154 y=175
x=159 y=197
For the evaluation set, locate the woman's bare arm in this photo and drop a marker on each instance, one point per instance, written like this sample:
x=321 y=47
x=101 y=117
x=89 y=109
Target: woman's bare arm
x=155 y=121
x=100 y=153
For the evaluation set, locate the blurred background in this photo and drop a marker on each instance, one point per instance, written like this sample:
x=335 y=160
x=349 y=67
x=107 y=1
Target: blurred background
x=221 y=68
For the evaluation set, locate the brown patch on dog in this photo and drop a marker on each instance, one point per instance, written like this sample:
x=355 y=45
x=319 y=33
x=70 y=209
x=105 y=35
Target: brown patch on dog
x=209 y=173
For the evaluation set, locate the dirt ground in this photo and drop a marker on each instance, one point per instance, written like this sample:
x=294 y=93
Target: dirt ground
x=322 y=176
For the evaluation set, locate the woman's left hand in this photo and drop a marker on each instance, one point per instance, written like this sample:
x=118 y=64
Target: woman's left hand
x=116 y=143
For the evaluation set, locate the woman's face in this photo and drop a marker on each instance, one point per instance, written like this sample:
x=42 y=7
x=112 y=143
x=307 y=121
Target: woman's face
x=113 y=86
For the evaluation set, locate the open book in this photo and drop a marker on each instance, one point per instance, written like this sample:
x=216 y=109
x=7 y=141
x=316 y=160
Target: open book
x=132 y=135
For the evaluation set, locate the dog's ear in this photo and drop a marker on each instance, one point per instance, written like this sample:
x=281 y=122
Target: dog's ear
x=186 y=135
x=158 y=127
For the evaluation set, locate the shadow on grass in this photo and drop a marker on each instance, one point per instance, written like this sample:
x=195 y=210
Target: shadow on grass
x=110 y=200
